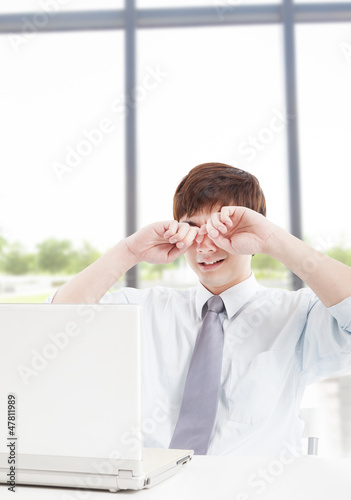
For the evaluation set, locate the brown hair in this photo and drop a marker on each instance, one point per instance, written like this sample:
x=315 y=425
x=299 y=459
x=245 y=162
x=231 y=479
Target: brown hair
x=210 y=184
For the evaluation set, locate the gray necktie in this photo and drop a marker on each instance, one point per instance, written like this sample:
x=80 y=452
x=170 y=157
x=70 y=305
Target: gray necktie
x=201 y=393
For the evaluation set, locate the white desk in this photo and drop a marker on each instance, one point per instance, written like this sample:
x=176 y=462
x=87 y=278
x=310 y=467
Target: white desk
x=226 y=478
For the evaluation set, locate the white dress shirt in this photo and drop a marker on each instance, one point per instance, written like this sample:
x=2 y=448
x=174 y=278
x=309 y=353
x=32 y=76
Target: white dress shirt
x=275 y=343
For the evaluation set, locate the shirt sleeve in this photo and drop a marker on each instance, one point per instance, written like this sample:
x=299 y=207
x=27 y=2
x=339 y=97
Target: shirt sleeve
x=50 y=298
x=324 y=349
x=125 y=295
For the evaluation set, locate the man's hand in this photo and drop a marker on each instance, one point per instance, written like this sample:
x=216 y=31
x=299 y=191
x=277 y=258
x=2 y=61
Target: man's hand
x=161 y=242
x=158 y=243
x=238 y=230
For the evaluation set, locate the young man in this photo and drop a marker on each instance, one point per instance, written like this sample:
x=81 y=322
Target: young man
x=275 y=341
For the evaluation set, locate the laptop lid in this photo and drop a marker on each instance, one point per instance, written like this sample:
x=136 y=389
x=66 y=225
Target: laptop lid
x=72 y=372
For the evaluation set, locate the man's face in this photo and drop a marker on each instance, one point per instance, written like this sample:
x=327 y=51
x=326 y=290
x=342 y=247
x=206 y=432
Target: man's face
x=216 y=269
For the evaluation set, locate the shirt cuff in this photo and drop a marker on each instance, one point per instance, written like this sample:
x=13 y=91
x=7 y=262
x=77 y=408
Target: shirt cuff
x=342 y=313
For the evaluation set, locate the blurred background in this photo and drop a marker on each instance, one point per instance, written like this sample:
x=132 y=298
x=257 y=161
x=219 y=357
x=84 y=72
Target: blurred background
x=107 y=104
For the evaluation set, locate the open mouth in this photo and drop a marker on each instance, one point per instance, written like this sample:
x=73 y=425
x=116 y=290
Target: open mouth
x=211 y=264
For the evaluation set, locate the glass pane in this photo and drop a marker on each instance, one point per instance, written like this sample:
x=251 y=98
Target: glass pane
x=323 y=69
x=218 y=96
x=324 y=65
x=63 y=149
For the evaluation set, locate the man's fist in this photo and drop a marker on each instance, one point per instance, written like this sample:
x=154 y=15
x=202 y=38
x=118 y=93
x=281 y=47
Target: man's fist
x=161 y=242
x=238 y=230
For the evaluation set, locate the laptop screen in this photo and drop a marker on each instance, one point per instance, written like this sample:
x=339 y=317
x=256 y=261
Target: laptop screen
x=74 y=373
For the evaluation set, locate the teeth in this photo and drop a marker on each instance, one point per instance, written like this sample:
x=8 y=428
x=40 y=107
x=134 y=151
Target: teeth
x=210 y=263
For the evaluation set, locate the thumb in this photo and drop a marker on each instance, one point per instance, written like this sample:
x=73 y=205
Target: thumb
x=221 y=242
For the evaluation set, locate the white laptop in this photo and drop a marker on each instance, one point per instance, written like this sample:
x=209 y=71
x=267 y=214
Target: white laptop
x=70 y=399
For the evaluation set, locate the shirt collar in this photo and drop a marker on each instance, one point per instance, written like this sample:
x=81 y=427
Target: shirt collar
x=234 y=298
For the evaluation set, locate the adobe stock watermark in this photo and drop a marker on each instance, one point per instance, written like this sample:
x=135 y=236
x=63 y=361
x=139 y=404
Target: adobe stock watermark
x=94 y=137
x=57 y=342
x=224 y=6
x=249 y=324
x=253 y=144
x=259 y=481
x=131 y=440
x=33 y=23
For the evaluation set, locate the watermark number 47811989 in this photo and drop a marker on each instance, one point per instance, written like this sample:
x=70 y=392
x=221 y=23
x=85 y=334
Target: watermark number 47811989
x=12 y=439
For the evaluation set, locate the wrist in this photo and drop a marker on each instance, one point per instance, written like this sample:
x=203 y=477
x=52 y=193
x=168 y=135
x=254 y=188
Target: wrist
x=274 y=245
x=289 y=250
x=280 y=244
x=129 y=254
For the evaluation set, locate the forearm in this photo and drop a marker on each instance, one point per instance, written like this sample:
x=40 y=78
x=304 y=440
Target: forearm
x=328 y=278
x=93 y=282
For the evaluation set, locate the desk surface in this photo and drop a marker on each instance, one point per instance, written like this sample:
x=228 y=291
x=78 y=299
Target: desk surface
x=227 y=478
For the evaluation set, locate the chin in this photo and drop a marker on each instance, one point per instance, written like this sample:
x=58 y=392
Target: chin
x=215 y=284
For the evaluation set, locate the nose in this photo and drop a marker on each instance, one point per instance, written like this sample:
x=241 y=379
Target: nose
x=206 y=245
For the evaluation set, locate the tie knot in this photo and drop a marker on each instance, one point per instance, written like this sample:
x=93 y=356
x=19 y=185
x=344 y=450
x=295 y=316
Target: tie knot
x=215 y=304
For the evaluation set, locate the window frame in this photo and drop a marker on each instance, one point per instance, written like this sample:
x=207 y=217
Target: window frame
x=221 y=13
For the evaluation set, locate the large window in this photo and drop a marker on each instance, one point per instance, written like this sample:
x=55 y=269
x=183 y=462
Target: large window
x=217 y=94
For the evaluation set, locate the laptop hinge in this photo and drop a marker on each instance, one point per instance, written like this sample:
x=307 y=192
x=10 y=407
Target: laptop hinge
x=125 y=474
x=126 y=480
